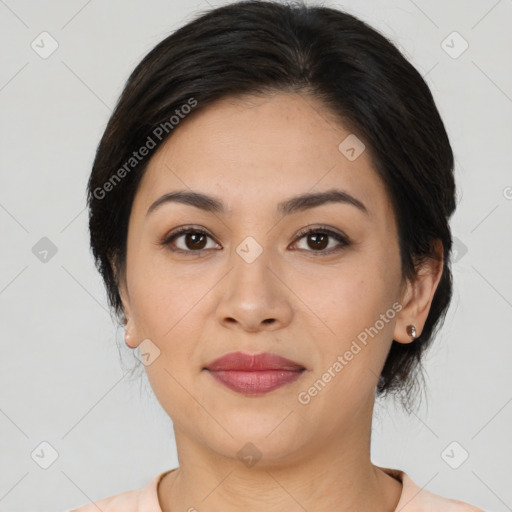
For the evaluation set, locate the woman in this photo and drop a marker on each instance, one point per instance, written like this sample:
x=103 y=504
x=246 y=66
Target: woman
x=269 y=210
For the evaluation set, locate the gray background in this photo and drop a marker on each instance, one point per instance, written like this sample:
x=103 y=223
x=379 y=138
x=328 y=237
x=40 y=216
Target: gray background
x=61 y=378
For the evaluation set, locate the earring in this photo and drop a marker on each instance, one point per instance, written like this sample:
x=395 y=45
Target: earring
x=411 y=331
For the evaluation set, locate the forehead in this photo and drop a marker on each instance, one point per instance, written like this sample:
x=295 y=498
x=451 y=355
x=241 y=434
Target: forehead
x=259 y=150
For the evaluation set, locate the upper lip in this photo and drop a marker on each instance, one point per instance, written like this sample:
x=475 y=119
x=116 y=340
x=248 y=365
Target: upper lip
x=253 y=362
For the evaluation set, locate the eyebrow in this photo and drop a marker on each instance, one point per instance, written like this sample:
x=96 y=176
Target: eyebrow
x=295 y=204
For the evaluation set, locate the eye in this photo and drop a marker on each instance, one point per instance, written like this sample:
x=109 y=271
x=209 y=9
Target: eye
x=192 y=240
x=318 y=240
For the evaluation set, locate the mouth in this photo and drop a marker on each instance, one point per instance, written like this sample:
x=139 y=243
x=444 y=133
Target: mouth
x=254 y=374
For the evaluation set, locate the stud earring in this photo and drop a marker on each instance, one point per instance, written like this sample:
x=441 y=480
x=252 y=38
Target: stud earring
x=411 y=331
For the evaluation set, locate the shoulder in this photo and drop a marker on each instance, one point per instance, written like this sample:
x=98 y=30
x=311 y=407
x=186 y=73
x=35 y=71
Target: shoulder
x=126 y=501
x=417 y=499
x=144 y=499
x=429 y=501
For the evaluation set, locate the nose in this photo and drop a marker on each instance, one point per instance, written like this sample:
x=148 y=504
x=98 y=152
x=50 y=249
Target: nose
x=254 y=297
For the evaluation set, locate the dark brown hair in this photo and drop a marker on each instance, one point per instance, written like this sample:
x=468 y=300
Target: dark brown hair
x=260 y=47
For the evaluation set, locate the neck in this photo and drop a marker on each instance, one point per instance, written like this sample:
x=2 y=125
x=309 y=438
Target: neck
x=335 y=473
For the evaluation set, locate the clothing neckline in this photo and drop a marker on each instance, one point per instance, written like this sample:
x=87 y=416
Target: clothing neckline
x=398 y=475
x=156 y=486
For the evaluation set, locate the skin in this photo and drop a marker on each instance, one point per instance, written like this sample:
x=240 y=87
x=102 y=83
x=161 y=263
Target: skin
x=253 y=153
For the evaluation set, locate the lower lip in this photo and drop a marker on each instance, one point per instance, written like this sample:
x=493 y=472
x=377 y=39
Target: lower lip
x=255 y=382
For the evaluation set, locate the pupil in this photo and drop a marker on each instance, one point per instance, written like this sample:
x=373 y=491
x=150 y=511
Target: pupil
x=193 y=238
x=323 y=244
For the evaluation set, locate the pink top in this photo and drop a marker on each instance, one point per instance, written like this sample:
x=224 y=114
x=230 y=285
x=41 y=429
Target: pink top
x=412 y=499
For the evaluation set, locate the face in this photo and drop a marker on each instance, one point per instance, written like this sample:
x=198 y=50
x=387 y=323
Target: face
x=247 y=278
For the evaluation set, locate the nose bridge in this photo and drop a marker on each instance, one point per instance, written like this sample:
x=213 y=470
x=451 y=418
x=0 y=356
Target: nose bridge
x=253 y=297
x=251 y=262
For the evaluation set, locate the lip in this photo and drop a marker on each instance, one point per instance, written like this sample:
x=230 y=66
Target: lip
x=254 y=374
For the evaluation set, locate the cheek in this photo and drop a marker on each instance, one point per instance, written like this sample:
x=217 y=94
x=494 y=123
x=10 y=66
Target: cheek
x=351 y=358
x=353 y=297
x=170 y=309
x=162 y=294
x=356 y=305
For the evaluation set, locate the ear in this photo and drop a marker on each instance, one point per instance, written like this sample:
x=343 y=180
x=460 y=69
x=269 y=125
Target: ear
x=131 y=336
x=417 y=297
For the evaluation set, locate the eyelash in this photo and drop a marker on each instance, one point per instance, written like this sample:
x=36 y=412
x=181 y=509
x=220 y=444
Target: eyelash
x=302 y=234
